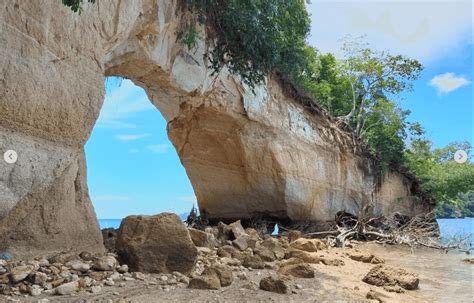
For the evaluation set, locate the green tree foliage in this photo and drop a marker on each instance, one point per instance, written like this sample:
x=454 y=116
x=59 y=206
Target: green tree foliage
x=75 y=5
x=450 y=183
x=358 y=90
x=254 y=37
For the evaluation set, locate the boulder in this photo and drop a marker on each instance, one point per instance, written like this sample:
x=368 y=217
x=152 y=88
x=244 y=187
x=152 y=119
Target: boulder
x=201 y=238
x=301 y=270
x=156 y=244
x=275 y=246
x=272 y=284
x=384 y=275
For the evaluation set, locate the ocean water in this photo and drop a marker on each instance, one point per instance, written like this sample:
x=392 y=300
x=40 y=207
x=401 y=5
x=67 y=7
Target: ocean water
x=452 y=229
x=115 y=223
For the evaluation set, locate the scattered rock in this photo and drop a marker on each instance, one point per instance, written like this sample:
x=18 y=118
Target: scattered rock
x=241 y=242
x=224 y=273
x=309 y=245
x=96 y=289
x=140 y=276
x=67 y=288
x=397 y=289
x=275 y=246
x=202 y=239
x=332 y=262
x=106 y=263
x=263 y=252
x=254 y=262
x=384 y=275
x=35 y=290
x=366 y=258
x=302 y=270
x=63 y=257
x=294 y=235
x=80 y=266
x=276 y=285
x=209 y=280
x=372 y=295
x=122 y=268
x=20 y=273
x=468 y=260
x=307 y=257
x=158 y=243
x=237 y=229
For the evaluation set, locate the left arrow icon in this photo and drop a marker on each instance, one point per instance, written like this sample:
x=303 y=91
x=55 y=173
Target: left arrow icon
x=10 y=156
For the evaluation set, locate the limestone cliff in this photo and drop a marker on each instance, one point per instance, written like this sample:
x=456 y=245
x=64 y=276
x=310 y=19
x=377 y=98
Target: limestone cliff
x=245 y=153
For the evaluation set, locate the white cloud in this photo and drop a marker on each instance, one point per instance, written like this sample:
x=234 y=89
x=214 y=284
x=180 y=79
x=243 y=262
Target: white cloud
x=126 y=138
x=110 y=198
x=133 y=150
x=448 y=82
x=158 y=148
x=423 y=29
x=121 y=104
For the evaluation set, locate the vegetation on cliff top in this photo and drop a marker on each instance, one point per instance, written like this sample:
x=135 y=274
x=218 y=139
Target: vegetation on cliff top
x=254 y=37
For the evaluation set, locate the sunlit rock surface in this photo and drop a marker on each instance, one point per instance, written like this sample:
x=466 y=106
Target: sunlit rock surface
x=246 y=154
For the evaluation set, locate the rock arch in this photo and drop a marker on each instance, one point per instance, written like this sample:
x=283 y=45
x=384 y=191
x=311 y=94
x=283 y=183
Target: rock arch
x=245 y=153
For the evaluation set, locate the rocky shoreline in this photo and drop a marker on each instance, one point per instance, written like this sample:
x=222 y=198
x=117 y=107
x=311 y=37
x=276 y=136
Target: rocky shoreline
x=229 y=264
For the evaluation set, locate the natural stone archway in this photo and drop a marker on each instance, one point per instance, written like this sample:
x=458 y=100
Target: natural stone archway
x=245 y=154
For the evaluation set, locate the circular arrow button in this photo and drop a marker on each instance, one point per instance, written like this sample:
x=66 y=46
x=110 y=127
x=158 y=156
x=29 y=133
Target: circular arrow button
x=10 y=156
x=460 y=156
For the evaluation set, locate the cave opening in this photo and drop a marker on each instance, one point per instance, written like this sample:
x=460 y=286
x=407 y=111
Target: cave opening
x=132 y=167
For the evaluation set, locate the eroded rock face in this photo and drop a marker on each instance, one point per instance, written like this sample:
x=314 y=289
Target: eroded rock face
x=245 y=154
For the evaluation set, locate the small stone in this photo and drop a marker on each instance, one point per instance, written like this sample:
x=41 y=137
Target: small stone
x=294 y=235
x=86 y=256
x=241 y=242
x=35 y=290
x=20 y=273
x=122 y=268
x=63 y=258
x=96 y=289
x=164 y=278
x=309 y=245
x=98 y=275
x=67 y=288
x=372 y=295
x=210 y=280
x=109 y=282
x=302 y=270
x=106 y=263
x=139 y=275
x=254 y=262
x=276 y=285
x=299 y=286
x=115 y=276
x=80 y=266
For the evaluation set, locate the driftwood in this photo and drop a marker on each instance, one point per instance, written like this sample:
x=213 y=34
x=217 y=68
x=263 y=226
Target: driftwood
x=397 y=229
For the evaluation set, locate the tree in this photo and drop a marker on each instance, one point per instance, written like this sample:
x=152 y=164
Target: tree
x=450 y=183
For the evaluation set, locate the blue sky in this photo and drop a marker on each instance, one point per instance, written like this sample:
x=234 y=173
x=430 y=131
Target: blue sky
x=134 y=169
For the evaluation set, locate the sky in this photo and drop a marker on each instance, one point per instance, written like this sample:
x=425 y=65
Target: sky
x=134 y=169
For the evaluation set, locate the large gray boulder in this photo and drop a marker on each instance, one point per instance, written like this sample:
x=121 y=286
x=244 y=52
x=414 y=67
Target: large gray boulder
x=156 y=244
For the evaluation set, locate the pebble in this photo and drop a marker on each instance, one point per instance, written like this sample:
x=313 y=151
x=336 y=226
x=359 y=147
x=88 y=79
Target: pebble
x=96 y=289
